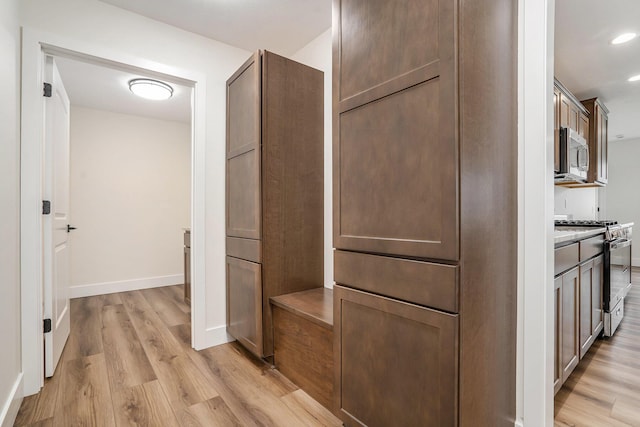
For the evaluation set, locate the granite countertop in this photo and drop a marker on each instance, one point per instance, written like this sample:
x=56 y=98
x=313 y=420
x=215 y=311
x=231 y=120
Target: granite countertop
x=568 y=234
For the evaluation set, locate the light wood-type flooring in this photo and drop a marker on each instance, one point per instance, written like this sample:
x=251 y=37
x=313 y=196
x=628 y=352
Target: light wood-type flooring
x=128 y=362
x=604 y=389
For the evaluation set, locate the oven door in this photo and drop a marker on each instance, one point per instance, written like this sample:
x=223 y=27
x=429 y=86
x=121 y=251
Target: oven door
x=620 y=269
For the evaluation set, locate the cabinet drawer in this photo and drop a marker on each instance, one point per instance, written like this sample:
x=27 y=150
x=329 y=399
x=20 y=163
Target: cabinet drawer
x=424 y=283
x=566 y=257
x=384 y=348
x=248 y=249
x=591 y=247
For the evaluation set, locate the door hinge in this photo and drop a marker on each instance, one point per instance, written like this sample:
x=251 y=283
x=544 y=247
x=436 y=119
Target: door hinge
x=47 y=325
x=46 y=207
x=47 y=90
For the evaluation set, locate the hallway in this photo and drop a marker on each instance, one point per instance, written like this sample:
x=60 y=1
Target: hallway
x=604 y=389
x=128 y=361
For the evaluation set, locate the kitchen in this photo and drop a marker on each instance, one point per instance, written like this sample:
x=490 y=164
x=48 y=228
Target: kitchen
x=595 y=100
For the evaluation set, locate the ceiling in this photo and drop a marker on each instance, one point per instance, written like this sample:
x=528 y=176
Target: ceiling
x=282 y=26
x=589 y=66
x=102 y=88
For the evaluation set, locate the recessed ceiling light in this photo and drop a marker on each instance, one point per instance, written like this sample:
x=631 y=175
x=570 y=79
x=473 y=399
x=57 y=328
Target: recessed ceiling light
x=623 y=38
x=634 y=78
x=620 y=136
x=150 y=89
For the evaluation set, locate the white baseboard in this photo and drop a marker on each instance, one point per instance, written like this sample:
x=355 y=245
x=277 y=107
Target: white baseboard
x=12 y=405
x=519 y=423
x=79 y=291
x=212 y=337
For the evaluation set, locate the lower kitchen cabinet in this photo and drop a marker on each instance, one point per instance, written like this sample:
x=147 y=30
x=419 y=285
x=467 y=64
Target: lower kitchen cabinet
x=569 y=316
x=591 y=316
x=244 y=302
x=557 y=332
x=378 y=343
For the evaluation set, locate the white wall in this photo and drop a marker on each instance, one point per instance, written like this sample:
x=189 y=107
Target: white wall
x=621 y=192
x=10 y=366
x=317 y=54
x=582 y=203
x=130 y=197
x=106 y=28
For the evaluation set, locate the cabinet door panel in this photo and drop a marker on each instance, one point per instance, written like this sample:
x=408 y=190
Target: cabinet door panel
x=389 y=348
x=243 y=151
x=557 y=368
x=586 y=280
x=603 y=147
x=596 y=296
x=244 y=303
x=556 y=129
x=570 y=346
x=395 y=120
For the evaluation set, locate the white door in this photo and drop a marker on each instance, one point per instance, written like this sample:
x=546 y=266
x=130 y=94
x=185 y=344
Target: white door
x=55 y=232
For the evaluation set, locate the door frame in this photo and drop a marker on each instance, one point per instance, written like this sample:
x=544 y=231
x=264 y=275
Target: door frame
x=35 y=45
x=535 y=342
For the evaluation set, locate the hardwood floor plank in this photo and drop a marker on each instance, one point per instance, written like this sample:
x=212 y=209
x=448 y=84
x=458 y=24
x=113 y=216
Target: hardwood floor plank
x=213 y=412
x=253 y=397
x=307 y=409
x=143 y=405
x=86 y=328
x=224 y=385
x=126 y=360
x=84 y=398
x=165 y=306
x=626 y=410
x=176 y=293
x=183 y=383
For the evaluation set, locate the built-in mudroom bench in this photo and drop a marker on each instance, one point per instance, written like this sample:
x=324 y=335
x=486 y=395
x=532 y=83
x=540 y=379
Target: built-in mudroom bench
x=303 y=341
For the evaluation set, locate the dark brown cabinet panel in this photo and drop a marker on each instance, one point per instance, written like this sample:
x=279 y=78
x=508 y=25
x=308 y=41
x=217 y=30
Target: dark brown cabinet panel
x=569 y=348
x=395 y=148
x=591 y=315
x=598 y=141
x=244 y=303
x=380 y=342
x=425 y=211
x=243 y=150
x=597 y=314
x=557 y=334
x=556 y=129
x=275 y=187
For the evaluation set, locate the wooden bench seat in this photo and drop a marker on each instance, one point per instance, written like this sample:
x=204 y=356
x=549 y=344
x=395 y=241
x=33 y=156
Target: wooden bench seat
x=303 y=341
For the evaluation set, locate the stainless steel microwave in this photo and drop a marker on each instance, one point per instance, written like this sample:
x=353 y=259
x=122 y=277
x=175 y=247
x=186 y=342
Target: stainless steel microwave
x=574 y=156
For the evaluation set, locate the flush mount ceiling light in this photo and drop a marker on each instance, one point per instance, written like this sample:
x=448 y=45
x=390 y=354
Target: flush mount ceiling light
x=623 y=38
x=150 y=89
x=634 y=78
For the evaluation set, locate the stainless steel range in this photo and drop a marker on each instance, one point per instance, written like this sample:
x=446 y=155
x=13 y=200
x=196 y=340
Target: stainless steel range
x=617 y=267
x=617 y=274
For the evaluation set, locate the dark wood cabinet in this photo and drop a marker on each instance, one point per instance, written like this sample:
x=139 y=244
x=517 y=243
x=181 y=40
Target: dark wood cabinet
x=569 y=320
x=425 y=212
x=394 y=356
x=591 y=315
x=598 y=141
x=274 y=191
x=557 y=334
x=556 y=129
x=578 y=320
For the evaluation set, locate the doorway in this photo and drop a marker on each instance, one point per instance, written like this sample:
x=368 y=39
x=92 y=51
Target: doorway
x=35 y=47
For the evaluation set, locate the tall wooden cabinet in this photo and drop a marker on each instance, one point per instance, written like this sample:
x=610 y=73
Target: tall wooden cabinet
x=424 y=192
x=598 y=141
x=274 y=191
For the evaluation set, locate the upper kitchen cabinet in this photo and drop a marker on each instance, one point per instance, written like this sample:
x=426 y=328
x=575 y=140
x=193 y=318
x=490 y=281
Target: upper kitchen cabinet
x=568 y=113
x=274 y=189
x=395 y=138
x=598 y=141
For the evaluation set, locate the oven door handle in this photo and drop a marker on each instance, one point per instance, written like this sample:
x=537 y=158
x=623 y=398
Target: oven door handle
x=619 y=244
